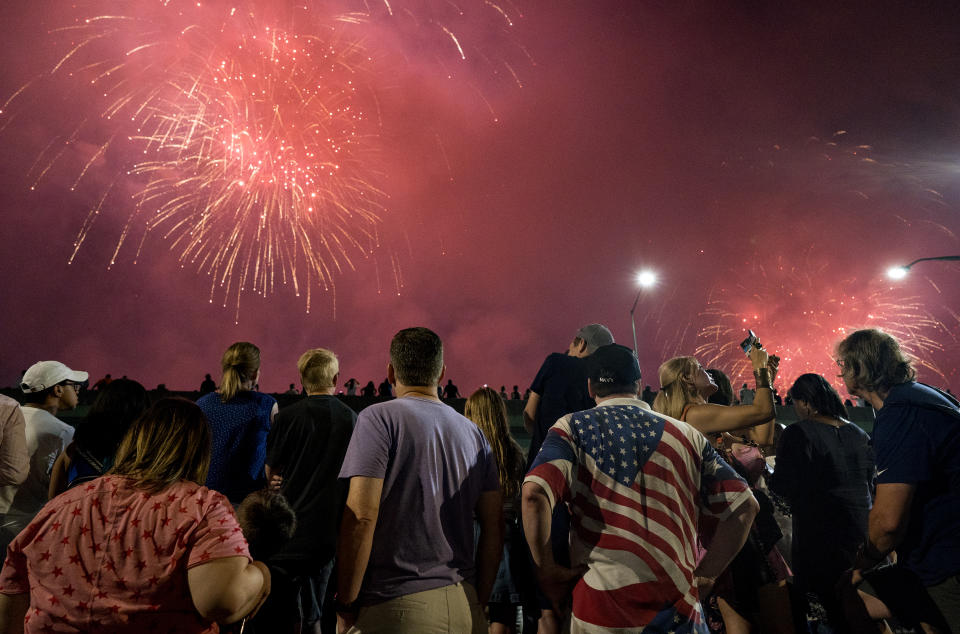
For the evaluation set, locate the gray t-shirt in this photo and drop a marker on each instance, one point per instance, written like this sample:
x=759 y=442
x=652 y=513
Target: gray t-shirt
x=434 y=464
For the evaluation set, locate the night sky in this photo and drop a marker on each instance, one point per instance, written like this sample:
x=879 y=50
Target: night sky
x=768 y=161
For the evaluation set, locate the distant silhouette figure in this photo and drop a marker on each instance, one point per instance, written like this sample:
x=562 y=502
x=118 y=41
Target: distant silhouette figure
x=503 y=392
x=369 y=390
x=292 y=390
x=102 y=383
x=385 y=390
x=451 y=391
x=515 y=394
x=526 y=394
x=207 y=385
x=648 y=395
x=351 y=386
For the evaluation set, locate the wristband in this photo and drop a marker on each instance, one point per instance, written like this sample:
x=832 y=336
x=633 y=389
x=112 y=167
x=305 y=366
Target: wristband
x=762 y=376
x=344 y=608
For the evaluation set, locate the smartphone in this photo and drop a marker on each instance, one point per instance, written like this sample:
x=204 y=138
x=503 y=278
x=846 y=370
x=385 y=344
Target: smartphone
x=747 y=343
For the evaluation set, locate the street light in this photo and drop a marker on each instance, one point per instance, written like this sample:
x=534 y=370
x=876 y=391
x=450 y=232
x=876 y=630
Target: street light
x=645 y=279
x=900 y=272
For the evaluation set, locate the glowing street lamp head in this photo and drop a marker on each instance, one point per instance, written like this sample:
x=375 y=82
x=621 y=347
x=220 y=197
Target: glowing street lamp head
x=646 y=279
x=897 y=272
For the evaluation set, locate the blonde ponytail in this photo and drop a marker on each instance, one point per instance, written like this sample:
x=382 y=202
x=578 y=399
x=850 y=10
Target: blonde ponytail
x=240 y=364
x=676 y=386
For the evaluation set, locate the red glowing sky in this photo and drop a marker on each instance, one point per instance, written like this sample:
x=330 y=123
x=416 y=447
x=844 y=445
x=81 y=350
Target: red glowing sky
x=700 y=141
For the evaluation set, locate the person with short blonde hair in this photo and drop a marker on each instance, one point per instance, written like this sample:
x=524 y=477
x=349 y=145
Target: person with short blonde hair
x=318 y=369
x=305 y=450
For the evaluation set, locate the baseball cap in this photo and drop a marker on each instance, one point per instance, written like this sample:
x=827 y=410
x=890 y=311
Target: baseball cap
x=614 y=365
x=594 y=335
x=45 y=374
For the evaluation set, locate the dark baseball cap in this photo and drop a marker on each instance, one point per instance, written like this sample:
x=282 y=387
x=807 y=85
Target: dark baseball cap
x=613 y=364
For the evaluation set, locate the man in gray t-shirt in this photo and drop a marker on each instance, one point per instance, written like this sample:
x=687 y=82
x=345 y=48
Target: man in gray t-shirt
x=419 y=474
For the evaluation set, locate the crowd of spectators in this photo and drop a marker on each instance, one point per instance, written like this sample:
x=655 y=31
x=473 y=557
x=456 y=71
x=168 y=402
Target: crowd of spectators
x=686 y=509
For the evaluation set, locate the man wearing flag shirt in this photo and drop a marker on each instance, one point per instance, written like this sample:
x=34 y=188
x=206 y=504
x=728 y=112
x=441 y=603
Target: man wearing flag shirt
x=636 y=484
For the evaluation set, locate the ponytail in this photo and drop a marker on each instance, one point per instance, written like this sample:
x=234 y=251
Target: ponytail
x=240 y=364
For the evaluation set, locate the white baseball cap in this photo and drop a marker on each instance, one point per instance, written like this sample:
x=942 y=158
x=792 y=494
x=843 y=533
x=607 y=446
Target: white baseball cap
x=45 y=374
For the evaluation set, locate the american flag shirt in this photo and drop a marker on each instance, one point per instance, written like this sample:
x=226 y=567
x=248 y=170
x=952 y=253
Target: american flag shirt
x=637 y=484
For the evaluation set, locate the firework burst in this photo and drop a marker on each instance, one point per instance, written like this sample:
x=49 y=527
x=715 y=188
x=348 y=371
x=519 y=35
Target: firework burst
x=255 y=158
x=240 y=133
x=801 y=314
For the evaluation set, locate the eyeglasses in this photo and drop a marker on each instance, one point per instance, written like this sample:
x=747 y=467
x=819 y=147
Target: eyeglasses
x=77 y=387
x=841 y=363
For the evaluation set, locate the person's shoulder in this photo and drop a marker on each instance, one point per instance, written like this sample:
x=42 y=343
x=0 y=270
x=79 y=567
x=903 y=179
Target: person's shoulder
x=208 y=399
x=912 y=396
x=338 y=405
x=7 y=402
x=260 y=397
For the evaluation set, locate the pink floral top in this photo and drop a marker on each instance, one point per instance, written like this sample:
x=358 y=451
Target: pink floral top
x=109 y=557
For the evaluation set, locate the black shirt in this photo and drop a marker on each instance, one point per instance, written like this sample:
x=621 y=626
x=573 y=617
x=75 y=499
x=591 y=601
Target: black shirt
x=562 y=386
x=826 y=473
x=306 y=445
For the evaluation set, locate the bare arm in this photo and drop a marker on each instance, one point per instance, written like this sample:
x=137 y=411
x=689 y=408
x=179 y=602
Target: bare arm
x=356 y=535
x=727 y=541
x=489 y=512
x=556 y=581
x=890 y=516
x=530 y=412
x=14 y=460
x=13 y=608
x=273 y=412
x=227 y=589
x=58 y=476
x=709 y=417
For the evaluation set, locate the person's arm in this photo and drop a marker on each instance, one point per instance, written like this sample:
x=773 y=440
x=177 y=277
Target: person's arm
x=229 y=588
x=890 y=516
x=712 y=418
x=556 y=581
x=356 y=540
x=727 y=541
x=58 y=476
x=793 y=463
x=13 y=609
x=489 y=511
x=530 y=412
x=762 y=434
x=14 y=459
x=273 y=412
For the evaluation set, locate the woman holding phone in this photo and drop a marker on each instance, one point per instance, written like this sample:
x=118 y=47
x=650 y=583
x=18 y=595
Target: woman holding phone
x=752 y=595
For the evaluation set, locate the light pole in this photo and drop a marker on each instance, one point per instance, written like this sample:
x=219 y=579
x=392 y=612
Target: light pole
x=900 y=272
x=645 y=280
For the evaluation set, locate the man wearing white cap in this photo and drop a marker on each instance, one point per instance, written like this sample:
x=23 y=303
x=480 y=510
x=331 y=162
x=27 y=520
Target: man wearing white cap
x=48 y=387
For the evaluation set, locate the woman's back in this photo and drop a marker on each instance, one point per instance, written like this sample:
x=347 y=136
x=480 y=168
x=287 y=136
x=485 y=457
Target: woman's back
x=107 y=556
x=239 y=430
x=826 y=473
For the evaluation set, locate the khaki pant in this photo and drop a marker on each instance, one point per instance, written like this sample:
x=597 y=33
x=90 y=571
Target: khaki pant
x=448 y=609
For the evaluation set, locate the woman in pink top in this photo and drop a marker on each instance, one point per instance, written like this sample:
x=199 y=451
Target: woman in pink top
x=143 y=549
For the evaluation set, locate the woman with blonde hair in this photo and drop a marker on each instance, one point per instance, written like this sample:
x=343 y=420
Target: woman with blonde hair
x=752 y=594
x=240 y=418
x=145 y=546
x=486 y=408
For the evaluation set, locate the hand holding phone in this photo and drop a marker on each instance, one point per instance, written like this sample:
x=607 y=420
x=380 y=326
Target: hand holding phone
x=748 y=344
